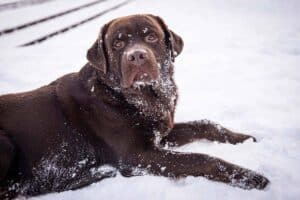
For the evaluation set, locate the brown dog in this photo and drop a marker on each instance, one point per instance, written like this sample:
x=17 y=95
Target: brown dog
x=117 y=112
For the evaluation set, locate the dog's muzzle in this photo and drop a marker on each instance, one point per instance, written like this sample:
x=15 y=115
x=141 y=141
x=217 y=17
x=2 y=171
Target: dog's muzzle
x=138 y=65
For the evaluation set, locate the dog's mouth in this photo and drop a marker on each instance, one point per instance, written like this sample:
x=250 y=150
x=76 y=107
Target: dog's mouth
x=140 y=76
x=142 y=79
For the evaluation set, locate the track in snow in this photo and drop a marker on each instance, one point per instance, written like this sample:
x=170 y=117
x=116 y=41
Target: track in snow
x=35 y=22
x=20 y=4
x=72 y=26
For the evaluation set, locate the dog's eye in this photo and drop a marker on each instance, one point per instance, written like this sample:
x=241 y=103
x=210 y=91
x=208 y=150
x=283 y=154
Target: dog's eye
x=118 y=44
x=151 y=38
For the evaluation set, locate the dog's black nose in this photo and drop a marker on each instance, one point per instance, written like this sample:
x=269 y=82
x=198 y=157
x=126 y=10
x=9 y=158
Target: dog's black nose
x=137 y=57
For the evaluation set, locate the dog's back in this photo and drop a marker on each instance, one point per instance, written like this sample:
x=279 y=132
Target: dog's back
x=25 y=118
x=45 y=147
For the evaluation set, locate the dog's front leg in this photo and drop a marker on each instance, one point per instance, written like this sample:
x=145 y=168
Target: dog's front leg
x=183 y=133
x=176 y=165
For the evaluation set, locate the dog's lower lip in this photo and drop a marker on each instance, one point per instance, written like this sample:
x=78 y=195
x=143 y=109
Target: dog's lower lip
x=142 y=80
x=141 y=76
x=144 y=75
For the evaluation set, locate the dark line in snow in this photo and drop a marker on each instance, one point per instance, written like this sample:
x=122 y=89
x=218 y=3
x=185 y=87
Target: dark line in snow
x=35 y=22
x=63 y=30
x=20 y=4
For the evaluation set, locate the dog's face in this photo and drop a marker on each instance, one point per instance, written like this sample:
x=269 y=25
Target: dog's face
x=134 y=48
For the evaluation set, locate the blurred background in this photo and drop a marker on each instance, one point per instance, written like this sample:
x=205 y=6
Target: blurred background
x=239 y=67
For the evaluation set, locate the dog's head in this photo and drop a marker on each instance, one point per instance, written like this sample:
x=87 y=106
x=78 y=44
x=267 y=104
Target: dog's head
x=134 y=48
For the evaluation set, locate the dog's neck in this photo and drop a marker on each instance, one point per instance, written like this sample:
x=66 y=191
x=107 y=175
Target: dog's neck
x=154 y=103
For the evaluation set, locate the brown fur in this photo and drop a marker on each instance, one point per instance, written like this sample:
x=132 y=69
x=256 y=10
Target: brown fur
x=53 y=138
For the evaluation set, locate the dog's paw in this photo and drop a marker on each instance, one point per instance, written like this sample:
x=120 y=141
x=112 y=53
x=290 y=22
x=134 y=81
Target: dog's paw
x=235 y=138
x=249 y=180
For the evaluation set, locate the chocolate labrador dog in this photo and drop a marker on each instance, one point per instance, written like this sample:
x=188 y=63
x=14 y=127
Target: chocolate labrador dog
x=115 y=114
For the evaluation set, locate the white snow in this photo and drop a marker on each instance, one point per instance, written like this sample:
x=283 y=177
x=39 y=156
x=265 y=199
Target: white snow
x=239 y=68
x=119 y=35
x=145 y=30
x=93 y=89
x=102 y=170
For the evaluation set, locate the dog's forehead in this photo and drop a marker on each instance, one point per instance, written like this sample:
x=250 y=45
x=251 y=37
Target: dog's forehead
x=133 y=24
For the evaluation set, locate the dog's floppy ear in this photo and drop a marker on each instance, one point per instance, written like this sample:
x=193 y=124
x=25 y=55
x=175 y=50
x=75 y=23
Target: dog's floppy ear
x=97 y=55
x=174 y=41
x=177 y=43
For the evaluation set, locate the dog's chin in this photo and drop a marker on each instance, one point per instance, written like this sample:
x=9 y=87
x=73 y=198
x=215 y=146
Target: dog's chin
x=142 y=81
x=139 y=86
x=143 y=76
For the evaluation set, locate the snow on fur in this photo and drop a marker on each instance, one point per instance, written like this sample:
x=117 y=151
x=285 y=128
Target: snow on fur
x=239 y=68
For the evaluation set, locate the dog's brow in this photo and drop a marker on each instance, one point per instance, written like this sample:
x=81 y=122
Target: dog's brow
x=120 y=33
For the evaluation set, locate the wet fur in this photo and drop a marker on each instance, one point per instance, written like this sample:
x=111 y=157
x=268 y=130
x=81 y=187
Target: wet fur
x=84 y=126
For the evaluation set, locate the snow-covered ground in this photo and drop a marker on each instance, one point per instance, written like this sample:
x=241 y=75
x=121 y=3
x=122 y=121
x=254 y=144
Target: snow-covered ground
x=240 y=67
